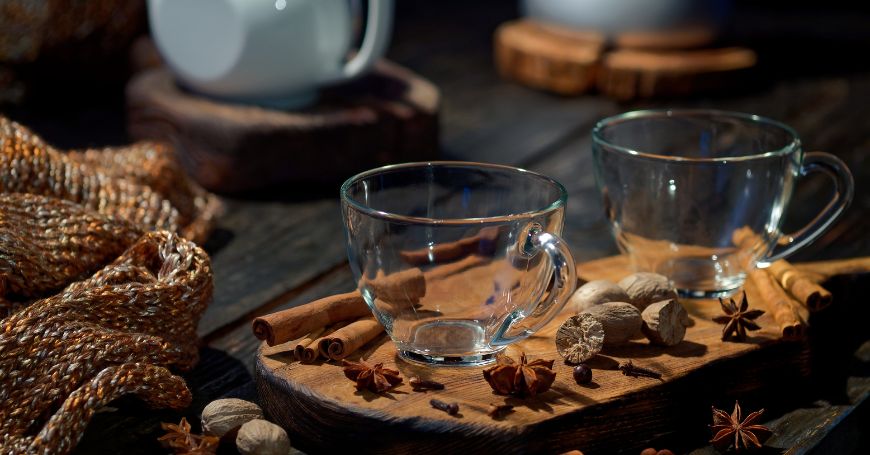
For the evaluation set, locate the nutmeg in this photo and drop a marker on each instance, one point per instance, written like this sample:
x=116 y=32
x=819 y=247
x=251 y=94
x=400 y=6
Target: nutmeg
x=227 y=414
x=260 y=437
x=579 y=338
x=594 y=293
x=665 y=322
x=621 y=321
x=644 y=288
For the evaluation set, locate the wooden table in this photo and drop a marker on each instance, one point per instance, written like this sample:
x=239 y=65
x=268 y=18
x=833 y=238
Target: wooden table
x=275 y=252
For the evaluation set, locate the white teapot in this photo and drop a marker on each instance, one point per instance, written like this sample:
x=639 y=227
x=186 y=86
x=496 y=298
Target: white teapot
x=268 y=52
x=617 y=16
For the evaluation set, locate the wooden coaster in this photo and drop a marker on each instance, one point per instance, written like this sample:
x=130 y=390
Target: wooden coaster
x=323 y=412
x=673 y=39
x=388 y=116
x=547 y=57
x=572 y=62
x=628 y=74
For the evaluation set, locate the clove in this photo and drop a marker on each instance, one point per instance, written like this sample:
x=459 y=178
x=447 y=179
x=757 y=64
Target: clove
x=629 y=369
x=419 y=384
x=449 y=408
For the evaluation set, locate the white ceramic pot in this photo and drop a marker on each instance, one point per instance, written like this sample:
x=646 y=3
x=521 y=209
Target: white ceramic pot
x=618 y=16
x=272 y=52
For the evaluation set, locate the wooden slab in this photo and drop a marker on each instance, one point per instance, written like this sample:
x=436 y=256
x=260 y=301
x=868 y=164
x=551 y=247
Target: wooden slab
x=322 y=410
x=387 y=116
x=642 y=65
x=628 y=73
x=684 y=37
x=548 y=57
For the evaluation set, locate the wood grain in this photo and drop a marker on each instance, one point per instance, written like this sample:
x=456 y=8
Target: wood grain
x=629 y=74
x=549 y=57
x=685 y=37
x=262 y=250
x=322 y=409
x=572 y=62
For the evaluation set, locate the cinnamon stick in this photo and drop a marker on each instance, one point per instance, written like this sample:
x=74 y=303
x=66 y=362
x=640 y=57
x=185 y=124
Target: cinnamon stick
x=293 y=323
x=446 y=270
x=299 y=350
x=312 y=352
x=749 y=246
x=822 y=271
x=784 y=308
x=483 y=243
x=744 y=237
x=407 y=285
x=348 y=339
x=806 y=291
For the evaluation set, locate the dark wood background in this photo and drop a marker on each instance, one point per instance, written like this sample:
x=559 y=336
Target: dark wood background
x=285 y=247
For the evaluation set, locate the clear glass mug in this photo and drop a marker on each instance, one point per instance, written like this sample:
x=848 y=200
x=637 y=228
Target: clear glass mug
x=457 y=260
x=699 y=195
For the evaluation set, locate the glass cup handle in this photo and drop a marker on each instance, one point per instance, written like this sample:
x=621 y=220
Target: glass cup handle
x=843 y=191
x=564 y=283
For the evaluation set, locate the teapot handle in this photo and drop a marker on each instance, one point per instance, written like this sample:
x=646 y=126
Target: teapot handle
x=379 y=25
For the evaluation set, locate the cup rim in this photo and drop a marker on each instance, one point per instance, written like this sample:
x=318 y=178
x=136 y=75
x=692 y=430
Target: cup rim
x=394 y=217
x=793 y=145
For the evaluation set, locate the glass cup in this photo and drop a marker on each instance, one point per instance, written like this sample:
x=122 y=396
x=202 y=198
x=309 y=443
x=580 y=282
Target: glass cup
x=457 y=260
x=699 y=195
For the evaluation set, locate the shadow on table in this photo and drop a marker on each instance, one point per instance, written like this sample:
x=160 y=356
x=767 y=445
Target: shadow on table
x=130 y=427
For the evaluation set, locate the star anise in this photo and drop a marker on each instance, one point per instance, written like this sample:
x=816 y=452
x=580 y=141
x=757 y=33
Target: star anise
x=745 y=432
x=183 y=442
x=523 y=378
x=737 y=320
x=375 y=377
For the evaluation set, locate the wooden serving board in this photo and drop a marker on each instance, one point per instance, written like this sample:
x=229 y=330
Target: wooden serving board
x=323 y=411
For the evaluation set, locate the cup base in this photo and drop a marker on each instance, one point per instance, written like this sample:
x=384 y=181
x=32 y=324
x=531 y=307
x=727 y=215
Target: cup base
x=705 y=294
x=448 y=361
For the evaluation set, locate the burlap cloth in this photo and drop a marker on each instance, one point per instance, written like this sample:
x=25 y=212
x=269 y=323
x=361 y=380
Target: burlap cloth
x=100 y=284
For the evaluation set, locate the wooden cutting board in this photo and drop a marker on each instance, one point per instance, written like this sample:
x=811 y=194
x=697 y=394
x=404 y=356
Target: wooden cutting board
x=322 y=410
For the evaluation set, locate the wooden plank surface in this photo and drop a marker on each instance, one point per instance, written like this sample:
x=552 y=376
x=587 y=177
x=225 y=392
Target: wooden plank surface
x=261 y=250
